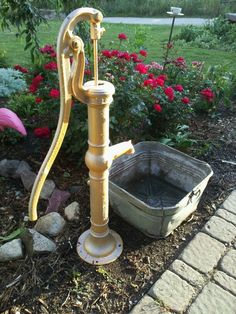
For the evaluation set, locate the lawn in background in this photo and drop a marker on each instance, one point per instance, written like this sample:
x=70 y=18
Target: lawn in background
x=157 y=36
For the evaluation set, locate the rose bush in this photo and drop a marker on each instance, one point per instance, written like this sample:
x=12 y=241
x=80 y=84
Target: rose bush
x=150 y=100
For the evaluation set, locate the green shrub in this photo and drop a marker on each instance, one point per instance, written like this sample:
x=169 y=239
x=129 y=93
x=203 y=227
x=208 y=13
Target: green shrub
x=219 y=33
x=11 y=82
x=24 y=105
x=3 y=59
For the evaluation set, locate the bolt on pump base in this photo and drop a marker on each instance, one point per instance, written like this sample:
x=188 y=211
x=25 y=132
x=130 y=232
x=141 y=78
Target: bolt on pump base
x=99 y=245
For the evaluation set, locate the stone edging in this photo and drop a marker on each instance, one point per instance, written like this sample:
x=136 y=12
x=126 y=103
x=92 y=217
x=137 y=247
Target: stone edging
x=203 y=277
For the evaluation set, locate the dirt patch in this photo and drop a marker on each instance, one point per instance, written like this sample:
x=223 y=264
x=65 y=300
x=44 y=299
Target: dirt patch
x=61 y=282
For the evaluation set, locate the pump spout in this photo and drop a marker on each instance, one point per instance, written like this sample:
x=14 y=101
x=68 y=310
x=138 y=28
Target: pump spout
x=120 y=149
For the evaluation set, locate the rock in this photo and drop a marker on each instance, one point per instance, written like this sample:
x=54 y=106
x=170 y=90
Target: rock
x=22 y=168
x=75 y=189
x=36 y=243
x=47 y=189
x=51 y=224
x=57 y=198
x=8 y=167
x=11 y=250
x=72 y=211
x=28 y=179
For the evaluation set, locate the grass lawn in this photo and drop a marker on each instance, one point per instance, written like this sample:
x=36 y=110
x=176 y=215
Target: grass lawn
x=156 y=37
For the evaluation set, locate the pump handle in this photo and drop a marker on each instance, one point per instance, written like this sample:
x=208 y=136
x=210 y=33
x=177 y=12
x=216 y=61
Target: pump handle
x=71 y=79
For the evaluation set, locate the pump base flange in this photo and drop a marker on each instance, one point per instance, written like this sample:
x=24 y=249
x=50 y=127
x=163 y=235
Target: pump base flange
x=101 y=250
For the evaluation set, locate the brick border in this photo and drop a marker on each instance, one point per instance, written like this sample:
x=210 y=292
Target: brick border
x=203 y=277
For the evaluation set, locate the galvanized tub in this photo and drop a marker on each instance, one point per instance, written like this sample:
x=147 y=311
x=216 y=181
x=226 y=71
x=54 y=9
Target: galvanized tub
x=157 y=187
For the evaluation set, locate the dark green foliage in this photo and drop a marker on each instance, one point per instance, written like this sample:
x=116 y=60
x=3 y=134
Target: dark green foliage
x=217 y=34
x=25 y=17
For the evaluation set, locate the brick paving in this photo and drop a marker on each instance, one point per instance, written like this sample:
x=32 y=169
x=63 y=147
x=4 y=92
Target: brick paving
x=202 y=280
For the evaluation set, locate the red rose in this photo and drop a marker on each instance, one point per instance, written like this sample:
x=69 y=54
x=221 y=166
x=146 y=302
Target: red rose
x=38 y=100
x=107 y=53
x=122 y=78
x=169 y=93
x=33 y=88
x=159 y=81
x=185 y=100
x=141 y=68
x=54 y=93
x=151 y=75
x=124 y=55
x=162 y=77
x=180 y=60
x=87 y=72
x=179 y=88
x=20 y=68
x=53 y=54
x=157 y=107
x=148 y=82
x=135 y=58
x=143 y=53
x=42 y=132
x=208 y=94
x=122 y=36
x=114 y=53
x=47 y=49
x=51 y=66
x=37 y=79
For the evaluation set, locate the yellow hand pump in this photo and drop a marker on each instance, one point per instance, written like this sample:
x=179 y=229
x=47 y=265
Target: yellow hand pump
x=98 y=245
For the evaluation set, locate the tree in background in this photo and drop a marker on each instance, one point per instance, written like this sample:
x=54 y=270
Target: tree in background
x=26 y=17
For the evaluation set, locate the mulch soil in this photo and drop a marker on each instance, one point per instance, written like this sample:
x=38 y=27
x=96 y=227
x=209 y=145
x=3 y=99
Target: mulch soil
x=61 y=282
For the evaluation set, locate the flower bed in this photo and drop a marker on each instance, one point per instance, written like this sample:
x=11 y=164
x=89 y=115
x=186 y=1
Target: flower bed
x=152 y=101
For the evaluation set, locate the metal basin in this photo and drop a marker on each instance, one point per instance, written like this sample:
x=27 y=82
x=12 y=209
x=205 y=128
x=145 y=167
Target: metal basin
x=157 y=187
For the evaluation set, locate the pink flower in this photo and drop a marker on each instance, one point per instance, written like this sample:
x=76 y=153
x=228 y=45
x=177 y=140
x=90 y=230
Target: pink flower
x=8 y=119
x=169 y=93
x=143 y=53
x=157 y=107
x=38 y=100
x=122 y=36
x=51 y=66
x=141 y=68
x=178 y=88
x=208 y=94
x=185 y=100
x=54 y=93
x=122 y=78
x=154 y=65
x=20 y=68
x=42 y=132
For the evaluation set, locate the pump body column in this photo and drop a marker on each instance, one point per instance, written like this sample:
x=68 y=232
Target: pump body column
x=99 y=245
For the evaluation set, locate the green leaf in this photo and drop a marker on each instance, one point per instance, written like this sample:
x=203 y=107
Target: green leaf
x=13 y=235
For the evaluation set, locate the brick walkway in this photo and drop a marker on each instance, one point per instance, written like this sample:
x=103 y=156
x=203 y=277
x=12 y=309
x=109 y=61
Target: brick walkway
x=202 y=280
